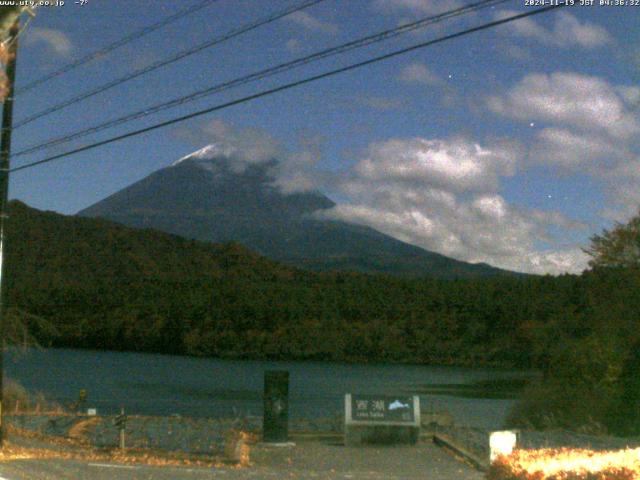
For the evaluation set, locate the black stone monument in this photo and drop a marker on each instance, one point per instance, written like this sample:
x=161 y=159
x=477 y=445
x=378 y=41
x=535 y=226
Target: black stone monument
x=275 y=425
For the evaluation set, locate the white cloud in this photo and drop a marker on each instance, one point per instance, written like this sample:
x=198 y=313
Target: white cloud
x=293 y=172
x=492 y=206
x=296 y=172
x=56 y=41
x=621 y=182
x=574 y=151
x=418 y=73
x=567 y=31
x=439 y=194
x=310 y=22
x=569 y=99
x=418 y=6
x=486 y=230
x=442 y=195
x=525 y=27
x=558 y=219
x=631 y=95
x=244 y=145
x=457 y=165
x=590 y=127
x=571 y=260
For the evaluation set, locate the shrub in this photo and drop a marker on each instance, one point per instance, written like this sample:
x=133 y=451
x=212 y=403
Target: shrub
x=566 y=464
x=17 y=398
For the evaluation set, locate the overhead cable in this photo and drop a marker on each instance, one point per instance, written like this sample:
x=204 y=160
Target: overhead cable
x=290 y=85
x=113 y=46
x=265 y=73
x=167 y=61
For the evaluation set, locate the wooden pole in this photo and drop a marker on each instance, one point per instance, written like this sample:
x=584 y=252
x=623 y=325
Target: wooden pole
x=5 y=152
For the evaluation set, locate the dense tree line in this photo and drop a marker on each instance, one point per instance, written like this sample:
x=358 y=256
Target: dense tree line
x=106 y=286
x=101 y=285
x=591 y=359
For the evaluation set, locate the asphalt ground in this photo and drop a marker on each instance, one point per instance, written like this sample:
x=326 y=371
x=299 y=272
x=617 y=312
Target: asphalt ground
x=305 y=460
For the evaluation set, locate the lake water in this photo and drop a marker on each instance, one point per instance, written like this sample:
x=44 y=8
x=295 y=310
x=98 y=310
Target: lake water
x=164 y=385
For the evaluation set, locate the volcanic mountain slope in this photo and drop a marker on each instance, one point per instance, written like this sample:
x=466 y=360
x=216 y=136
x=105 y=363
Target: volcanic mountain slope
x=204 y=198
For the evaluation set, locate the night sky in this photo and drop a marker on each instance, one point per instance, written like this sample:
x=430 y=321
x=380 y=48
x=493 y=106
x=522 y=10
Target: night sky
x=510 y=146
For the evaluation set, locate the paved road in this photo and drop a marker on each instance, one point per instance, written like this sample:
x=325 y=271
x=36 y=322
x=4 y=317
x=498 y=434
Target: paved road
x=74 y=470
x=307 y=460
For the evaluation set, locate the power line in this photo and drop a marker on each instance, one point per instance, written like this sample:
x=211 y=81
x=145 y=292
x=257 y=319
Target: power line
x=291 y=85
x=161 y=63
x=284 y=67
x=117 y=44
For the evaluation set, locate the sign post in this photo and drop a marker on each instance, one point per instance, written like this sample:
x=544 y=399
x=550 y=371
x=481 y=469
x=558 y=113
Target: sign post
x=121 y=422
x=275 y=426
x=381 y=419
x=82 y=401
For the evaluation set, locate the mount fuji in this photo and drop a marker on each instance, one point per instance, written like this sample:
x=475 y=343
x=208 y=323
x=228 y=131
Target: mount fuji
x=205 y=196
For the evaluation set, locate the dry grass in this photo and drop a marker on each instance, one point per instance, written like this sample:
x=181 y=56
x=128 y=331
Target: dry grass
x=567 y=464
x=236 y=447
x=77 y=449
x=18 y=400
x=79 y=430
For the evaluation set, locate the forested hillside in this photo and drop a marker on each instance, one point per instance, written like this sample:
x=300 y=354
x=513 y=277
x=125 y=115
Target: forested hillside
x=106 y=286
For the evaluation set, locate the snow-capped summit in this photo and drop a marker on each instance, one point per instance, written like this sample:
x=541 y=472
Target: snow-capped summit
x=209 y=152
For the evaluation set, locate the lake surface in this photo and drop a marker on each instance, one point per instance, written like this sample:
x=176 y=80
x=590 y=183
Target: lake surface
x=164 y=385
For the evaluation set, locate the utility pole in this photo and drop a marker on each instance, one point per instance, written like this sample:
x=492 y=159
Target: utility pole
x=5 y=152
